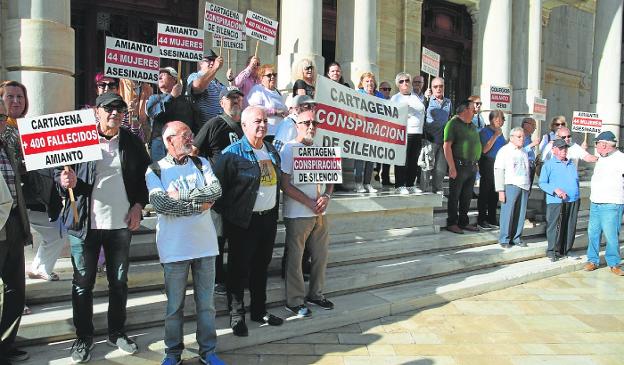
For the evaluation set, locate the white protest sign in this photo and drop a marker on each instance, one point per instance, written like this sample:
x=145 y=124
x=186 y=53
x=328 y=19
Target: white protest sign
x=317 y=165
x=430 y=62
x=540 y=107
x=223 y=22
x=365 y=127
x=131 y=60
x=230 y=43
x=59 y=139
x=500 y=98
x=260 y=27
x=180 y=43
x=586 y=122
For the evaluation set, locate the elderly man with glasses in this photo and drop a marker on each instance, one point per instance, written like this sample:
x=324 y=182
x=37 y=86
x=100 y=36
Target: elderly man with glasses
x=438 y=114
x=607 y=204
x=110 y=194
x=575 y=151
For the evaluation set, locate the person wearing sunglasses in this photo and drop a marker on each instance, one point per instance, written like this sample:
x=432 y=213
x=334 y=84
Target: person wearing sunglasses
x=110 y=194
x=266 y=95
x=557 y=122
x=438 y=114
x=477 y=120
x=405 y=175
x=305 y=78
x=382 y=170
x=576 y=152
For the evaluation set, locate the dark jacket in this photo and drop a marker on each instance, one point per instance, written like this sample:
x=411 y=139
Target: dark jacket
x=134 y=162
x=21 y=202
x=238 y=172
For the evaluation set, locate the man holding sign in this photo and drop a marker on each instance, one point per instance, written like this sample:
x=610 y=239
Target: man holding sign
x=205 y=87
x=306 y=224
x=110 y=194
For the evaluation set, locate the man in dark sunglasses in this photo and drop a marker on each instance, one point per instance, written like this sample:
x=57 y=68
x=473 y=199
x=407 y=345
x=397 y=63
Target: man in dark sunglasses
x=576 y=152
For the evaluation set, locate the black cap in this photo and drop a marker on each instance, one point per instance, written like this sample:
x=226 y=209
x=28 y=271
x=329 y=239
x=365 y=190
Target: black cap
x=229 y=91
x=560 y=143
x=210 y=55
x=109 y=99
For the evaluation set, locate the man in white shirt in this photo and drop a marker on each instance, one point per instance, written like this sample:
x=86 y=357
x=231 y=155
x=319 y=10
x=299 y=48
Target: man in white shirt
x=607 y=204
x=306 y=225
x=575 y=152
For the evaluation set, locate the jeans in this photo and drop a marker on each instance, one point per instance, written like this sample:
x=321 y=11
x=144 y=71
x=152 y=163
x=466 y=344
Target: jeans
x=561 y=227
x=607 y=219
x=440 y=168
x=460 y=194
x=84 y=255
x=488 y=197
x=513 y=213
x=363 y=171
x=157 y=149
x=176 y=274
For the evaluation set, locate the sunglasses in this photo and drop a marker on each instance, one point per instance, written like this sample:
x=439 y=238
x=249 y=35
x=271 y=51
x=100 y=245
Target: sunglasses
x=109 y=85
x=404 y=81
x=565 y=137
x=3 y=117
x=308 y=122
x=309 y=68
x=478 y=103
x=271 y=75
x=385 y=88
x=560 y=124
x=120 y=109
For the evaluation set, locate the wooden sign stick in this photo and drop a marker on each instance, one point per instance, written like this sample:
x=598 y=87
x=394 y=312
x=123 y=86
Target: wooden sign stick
x=221 y=47
x=179 y=70
x=256 y=53
x=72 y=201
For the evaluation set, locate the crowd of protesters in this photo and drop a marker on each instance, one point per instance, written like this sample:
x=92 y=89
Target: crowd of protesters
x=220 y=155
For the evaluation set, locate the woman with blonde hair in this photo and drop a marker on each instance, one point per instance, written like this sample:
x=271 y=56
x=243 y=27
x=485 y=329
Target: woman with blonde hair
x=305 y=78
x=557 y=122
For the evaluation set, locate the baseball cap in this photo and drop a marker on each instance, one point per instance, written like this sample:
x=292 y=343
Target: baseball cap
x=100 y=76
x=110 y=99
x=560 y=143
x=210 y=55
x=607 y=136
x=229 y=91
x=170 y=70
x=299 y=100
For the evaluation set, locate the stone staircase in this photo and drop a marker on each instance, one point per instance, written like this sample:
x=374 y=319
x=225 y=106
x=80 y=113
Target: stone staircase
x=387 y=255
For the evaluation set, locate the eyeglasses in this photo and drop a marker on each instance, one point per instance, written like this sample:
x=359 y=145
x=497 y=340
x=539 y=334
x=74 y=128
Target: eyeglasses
x=120 y=109
x=478 y=103
x=437 y=86
x=107 y=85
x=274 y=74
x=309 y=68
x=385 y=88
x=560 y=124
x=186 y=135
x=565 y=137
x=308 y=122
x=517 y=135
x=3 y=117
x=404 y=81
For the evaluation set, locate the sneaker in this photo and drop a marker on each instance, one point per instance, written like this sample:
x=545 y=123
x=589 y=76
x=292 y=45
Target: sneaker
x=439 y=192
x=323 y=303
x=211 y=359
x=239 y=328
x=16 y=355
x=402 y=190
x=269 y=319
x=300 y=310
x=81 y=350
x=359 y=188
x=370 y=188
x=484 y=226
x=414 y=190
x=124 y=343
x=171 y=361
x=493 y=226
x=521 y=244
x=220 y=289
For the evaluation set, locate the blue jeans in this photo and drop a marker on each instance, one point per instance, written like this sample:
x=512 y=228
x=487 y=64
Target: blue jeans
x=607 y=219
x=84 y=255
x=513 y=212
x=157 y=149
x=363 y=171
x=176 y=274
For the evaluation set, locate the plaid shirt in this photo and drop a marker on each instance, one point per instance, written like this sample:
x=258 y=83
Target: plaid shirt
x=7 y=172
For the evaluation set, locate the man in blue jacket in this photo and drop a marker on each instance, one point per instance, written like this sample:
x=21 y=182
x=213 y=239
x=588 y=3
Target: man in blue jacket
x=110 y=194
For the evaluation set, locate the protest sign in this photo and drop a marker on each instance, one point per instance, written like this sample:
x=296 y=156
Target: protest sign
x=229 y=43
x=223 y=22
x=430 y=62
x=131 y=60
x=59 y=139
x=365 y=127
x=500 y=98
x=586 y=122
x=540 y=107
x=180 y=43
x=317 y=165
x=260 y=27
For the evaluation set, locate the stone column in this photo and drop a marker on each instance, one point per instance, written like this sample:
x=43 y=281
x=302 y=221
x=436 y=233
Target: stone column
x=495 y=42
x=412 y=34
x=477 y=52
x=2 y=21
x=38 y=48
x=344 y=36
x=300 y=37
x=526 y=57
x=605 y=95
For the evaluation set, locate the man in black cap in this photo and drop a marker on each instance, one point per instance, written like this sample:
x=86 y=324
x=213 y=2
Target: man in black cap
x=110 y=194
x=205 y=88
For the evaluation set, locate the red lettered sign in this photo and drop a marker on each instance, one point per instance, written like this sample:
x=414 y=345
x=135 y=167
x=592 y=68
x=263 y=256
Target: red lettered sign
x=260 y=27
x=180 y=43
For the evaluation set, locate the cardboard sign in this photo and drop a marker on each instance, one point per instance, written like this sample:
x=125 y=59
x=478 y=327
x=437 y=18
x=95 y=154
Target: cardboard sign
x=317 y=165
x=586 y=122
x=500 y=98
x=540 y=107
x=260 y=27
x=430 y=62
x=230 y=43
x=131 y=60
x=180 y=43
x=59 y=139
x=365 y=127
x=223 y=22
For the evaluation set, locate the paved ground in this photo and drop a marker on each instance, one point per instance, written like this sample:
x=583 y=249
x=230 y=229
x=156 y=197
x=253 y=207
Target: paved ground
x=570 y=319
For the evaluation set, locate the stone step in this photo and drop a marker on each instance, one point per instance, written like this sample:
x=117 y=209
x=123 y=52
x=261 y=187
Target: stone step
x=350 y=308
x=51 y=321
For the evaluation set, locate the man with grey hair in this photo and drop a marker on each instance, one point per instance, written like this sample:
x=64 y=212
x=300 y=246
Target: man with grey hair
x=607 y=204
x=438 y=114
x=575 y=151
x=511 y=180
x=405 y=175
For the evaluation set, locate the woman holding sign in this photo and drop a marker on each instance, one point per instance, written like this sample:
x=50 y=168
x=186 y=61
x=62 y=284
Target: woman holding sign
x=266 y=95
